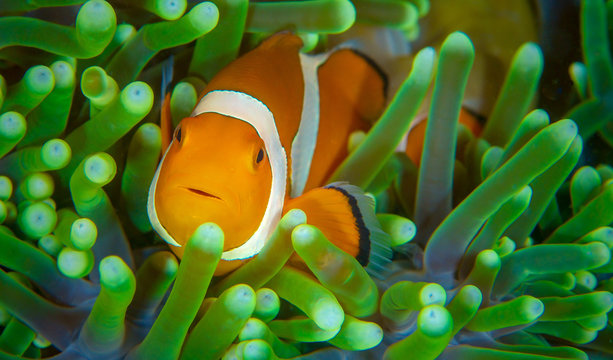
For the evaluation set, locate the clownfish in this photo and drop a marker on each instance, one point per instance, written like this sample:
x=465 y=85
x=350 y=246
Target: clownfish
x=268 y=131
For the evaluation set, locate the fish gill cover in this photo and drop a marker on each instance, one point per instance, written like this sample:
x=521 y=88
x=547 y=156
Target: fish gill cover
x=501 y=229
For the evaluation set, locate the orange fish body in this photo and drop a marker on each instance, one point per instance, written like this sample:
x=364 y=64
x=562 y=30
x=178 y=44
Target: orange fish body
x=267 y=133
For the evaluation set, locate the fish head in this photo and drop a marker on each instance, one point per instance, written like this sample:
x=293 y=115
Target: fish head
x=216 y=169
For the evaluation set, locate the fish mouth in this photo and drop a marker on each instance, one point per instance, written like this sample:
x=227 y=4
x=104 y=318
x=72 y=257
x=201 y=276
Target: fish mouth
x=202 y=193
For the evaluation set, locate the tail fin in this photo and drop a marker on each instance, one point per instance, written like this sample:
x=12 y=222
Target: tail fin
x=345 y=215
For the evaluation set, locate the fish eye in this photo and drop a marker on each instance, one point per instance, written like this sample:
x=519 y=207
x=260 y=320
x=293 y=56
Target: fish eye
x=260 y=156
x=178 y=134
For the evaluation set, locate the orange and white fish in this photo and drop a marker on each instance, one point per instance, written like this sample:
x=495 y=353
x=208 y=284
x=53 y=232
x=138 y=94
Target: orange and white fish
x=268 y=131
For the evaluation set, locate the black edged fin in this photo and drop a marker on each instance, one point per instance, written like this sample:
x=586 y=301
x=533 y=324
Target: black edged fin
x=375 y=245
x=352 y=76
x=376 y=68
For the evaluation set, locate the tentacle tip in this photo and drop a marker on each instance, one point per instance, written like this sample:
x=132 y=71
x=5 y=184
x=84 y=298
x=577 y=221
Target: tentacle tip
x=434 y=321
x=433 y=294
x=208 y=237
x=600 y=252
x=171 y=9
x=95 y=17
x=459 y=44
x=41 y=79
x=471 y=294
x=241 y=299
x=114 y=271
x=531 y=50
x=12 y=125
x=64 y=74
x=204 y=16
x=293 y=218
x=428 y=53
x=304 y=234
x=257 y=349
x=267 y=296
x=489 y=258
x=137 y=97
x=329 y=316
x=532 y=308
x=568 y=127
x=74 y=264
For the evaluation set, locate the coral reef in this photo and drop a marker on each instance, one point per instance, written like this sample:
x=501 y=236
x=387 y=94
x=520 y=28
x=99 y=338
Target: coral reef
x=501 y=233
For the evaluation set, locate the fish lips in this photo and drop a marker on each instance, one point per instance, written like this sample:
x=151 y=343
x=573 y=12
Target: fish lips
x=202 y=193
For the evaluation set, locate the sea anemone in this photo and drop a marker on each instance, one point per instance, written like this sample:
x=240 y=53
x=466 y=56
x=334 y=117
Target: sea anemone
x=501 y=228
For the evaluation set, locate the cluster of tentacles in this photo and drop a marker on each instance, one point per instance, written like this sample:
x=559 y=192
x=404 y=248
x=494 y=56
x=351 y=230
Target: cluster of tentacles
x=502 y=237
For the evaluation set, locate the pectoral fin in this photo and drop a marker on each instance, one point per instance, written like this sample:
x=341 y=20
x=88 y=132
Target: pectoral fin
x=345 y=215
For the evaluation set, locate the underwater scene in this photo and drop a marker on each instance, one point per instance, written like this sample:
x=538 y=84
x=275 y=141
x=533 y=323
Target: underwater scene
x=317 y=179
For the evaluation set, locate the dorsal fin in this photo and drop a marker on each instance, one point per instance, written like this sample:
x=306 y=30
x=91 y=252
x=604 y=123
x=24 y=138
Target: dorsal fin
x=166 y=122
